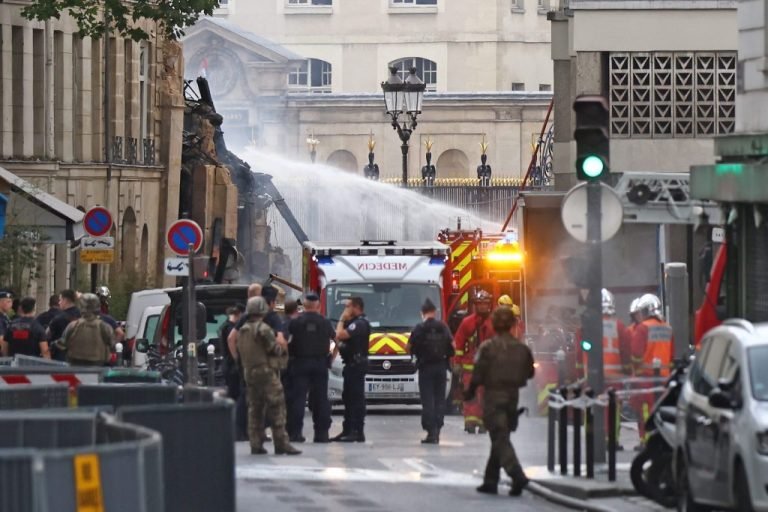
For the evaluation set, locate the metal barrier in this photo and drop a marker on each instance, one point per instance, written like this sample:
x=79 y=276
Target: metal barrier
x=192 y=394
x=578 y=404
x=198 y=453
x=119 y=395
x=77 y=460
x=6 y=361
x=72 y=375
x=131 y=375
x=21 y=361
x=34 y=396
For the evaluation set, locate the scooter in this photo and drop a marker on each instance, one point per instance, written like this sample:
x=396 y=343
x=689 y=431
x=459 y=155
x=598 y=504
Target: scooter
x=651 y=471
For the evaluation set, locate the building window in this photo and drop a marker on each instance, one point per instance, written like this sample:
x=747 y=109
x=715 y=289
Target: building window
x=425 y=69
x=312 y=75
x=518 y=86
x=672 y=94
x=518 y=5
x=545 y=87
x=310 y=2
x=401 y=3
x=144 y=95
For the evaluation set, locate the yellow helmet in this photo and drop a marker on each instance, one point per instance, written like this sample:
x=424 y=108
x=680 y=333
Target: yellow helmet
x=516 y=310
x=505 y=300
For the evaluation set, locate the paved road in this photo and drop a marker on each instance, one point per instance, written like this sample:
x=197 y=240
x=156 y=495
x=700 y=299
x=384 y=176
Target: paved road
x=391 y=471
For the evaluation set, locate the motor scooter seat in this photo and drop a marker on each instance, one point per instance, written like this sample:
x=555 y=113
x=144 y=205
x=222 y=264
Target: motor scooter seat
x=668 y=414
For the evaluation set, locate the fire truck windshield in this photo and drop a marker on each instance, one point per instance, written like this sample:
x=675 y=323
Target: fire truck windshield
x=387 y=305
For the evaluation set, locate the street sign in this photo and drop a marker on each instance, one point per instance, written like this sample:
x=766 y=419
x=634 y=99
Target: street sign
x=718 y=235
x=97 y=221
x=181 y=234
x=177 y=267
x=574 y=212
x=97 y=255
x=101 y=242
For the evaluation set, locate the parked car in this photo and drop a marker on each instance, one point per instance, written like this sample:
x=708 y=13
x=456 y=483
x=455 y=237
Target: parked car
x=147 y=327
x=721 y=456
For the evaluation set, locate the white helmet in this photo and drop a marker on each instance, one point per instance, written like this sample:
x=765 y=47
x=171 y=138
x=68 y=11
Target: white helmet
x=608 y=302
x=649 y=305
x=633 y=308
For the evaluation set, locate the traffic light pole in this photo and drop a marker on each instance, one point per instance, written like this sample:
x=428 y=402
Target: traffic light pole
x=592 y=320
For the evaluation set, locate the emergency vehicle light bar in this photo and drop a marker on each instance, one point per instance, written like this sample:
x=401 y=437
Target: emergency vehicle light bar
x=373 y=251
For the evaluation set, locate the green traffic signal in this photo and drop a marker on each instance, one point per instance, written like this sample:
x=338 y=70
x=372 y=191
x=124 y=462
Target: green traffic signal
x=592 y=166
x=586 y=345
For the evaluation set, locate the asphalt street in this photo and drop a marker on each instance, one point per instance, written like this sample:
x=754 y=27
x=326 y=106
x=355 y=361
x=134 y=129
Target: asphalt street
x=391 y=471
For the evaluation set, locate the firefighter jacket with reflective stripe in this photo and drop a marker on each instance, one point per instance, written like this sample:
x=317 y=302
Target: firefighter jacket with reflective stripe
x=616 y=350
x=652 y=339
x=473 y=331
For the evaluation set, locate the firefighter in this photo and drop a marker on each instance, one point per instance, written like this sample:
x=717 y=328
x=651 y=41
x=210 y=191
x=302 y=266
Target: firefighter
x=634 y=316
x=504 y=365
x=651 y=349
x=519 y=329
x=617 y=356
x=473 y=331
x=104 y=295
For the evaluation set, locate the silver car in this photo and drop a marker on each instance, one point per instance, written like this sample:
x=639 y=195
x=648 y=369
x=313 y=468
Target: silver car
x=721 y=457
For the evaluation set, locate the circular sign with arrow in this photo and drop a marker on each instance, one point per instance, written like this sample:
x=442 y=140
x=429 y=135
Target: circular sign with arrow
x=183 y=233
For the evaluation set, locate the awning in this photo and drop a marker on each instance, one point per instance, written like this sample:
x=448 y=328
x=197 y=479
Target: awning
x=54 y=220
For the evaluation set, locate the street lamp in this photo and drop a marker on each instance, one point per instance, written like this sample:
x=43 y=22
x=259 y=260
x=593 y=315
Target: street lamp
x=312 y=143
x=403 y=98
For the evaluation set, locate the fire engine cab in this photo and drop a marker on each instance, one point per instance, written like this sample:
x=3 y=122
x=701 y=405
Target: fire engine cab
x=393 y=279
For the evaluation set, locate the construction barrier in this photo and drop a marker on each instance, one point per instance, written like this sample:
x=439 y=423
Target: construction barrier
x=198 y=452
x=34 y=396
x=71 y=375
x=119 y=395
x=74 y=461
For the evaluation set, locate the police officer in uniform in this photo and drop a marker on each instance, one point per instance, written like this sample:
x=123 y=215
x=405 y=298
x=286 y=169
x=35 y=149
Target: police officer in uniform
x=352 y=334
x=309 y=342
x=431 y=344
x=256 y=347
x=25 y=335
x=503 y=366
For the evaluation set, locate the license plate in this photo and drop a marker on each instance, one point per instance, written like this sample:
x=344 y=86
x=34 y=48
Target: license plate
x=386 y=387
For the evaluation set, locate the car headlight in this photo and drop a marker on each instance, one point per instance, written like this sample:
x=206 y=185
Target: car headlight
x=762 y=443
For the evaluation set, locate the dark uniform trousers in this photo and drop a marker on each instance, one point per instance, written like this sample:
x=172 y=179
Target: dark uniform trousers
x=500 y=418
x=432 y=384
x=308 y=374
x=353 y=396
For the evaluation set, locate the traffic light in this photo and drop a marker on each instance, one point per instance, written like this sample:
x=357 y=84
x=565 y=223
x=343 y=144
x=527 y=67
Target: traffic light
x=202 y=269
x=586 y=345
x=592 y=137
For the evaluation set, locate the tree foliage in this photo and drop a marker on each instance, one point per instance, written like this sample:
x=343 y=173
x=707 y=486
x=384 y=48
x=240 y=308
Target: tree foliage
x=96 y=17
x=19 y=258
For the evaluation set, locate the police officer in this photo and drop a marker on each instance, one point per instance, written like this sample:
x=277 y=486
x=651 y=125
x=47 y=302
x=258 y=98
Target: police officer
x=256 y=345
x=68 y=314
x=25 y=335
x=431 y=344
x=6 y=304
x=309 y=347
x=352 y=334
x=88 y=340
x=503 y=366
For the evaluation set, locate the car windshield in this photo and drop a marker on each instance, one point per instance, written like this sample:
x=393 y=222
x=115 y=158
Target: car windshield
x=758 y=362
x=387 y=305
x=212 y=329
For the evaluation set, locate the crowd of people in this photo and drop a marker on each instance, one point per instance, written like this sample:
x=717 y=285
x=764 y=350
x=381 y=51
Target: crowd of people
x=76 y=327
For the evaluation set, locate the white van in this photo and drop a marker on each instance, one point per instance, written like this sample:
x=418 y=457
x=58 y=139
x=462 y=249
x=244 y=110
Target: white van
x=140 y=301
x=147 y=327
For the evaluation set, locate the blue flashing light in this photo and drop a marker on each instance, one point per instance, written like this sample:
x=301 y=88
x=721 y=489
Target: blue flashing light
x=325 y=260
x=437 y=260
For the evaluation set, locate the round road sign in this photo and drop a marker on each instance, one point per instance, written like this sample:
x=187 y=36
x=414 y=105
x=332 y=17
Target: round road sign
x=181 y=234
x=97 y=221
x=574 y=212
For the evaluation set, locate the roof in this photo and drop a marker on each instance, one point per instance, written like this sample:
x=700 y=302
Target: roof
x=56 y=220
x=273 y=47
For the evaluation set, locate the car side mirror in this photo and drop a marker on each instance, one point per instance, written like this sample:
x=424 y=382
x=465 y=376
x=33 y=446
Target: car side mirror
x=142 y=346
x=720 y=399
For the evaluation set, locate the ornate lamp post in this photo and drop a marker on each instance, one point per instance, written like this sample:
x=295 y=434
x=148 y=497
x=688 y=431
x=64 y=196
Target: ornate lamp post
x=312 y=143
x=403 y=98
x=484 y=170
x=371 y=171
x=429 y=171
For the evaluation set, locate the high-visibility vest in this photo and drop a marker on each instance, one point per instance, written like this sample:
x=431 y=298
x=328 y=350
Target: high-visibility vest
x=658 y=346
x=611 y=348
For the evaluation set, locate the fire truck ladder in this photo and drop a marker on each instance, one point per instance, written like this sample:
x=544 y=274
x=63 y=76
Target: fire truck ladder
x=663 y=198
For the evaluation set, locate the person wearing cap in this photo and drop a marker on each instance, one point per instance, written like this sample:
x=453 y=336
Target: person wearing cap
x=309 y=347
x=431 y=344
x=6 y=304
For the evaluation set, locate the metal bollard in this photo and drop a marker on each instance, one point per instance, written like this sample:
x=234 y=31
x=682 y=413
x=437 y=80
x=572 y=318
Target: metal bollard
x=211 y=365
x=576 y=436
x=562 y=443
x=612 y=435
x=589 y=431
x=120 y=354
x=560 y=360
x=551 y=419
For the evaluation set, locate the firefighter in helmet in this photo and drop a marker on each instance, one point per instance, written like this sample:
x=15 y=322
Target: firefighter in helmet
x=506 y=301
x=473 y=331
x=616 y=343
x=104 y=295
x=652 y=344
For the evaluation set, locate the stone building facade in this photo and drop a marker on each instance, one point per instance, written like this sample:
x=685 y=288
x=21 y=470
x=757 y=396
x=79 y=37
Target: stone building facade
x=93 y=122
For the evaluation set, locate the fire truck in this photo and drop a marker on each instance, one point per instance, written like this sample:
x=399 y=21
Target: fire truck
x=393 y=279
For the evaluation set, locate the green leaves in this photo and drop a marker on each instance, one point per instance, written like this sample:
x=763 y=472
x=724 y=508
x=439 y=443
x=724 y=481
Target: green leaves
x=95 y=17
